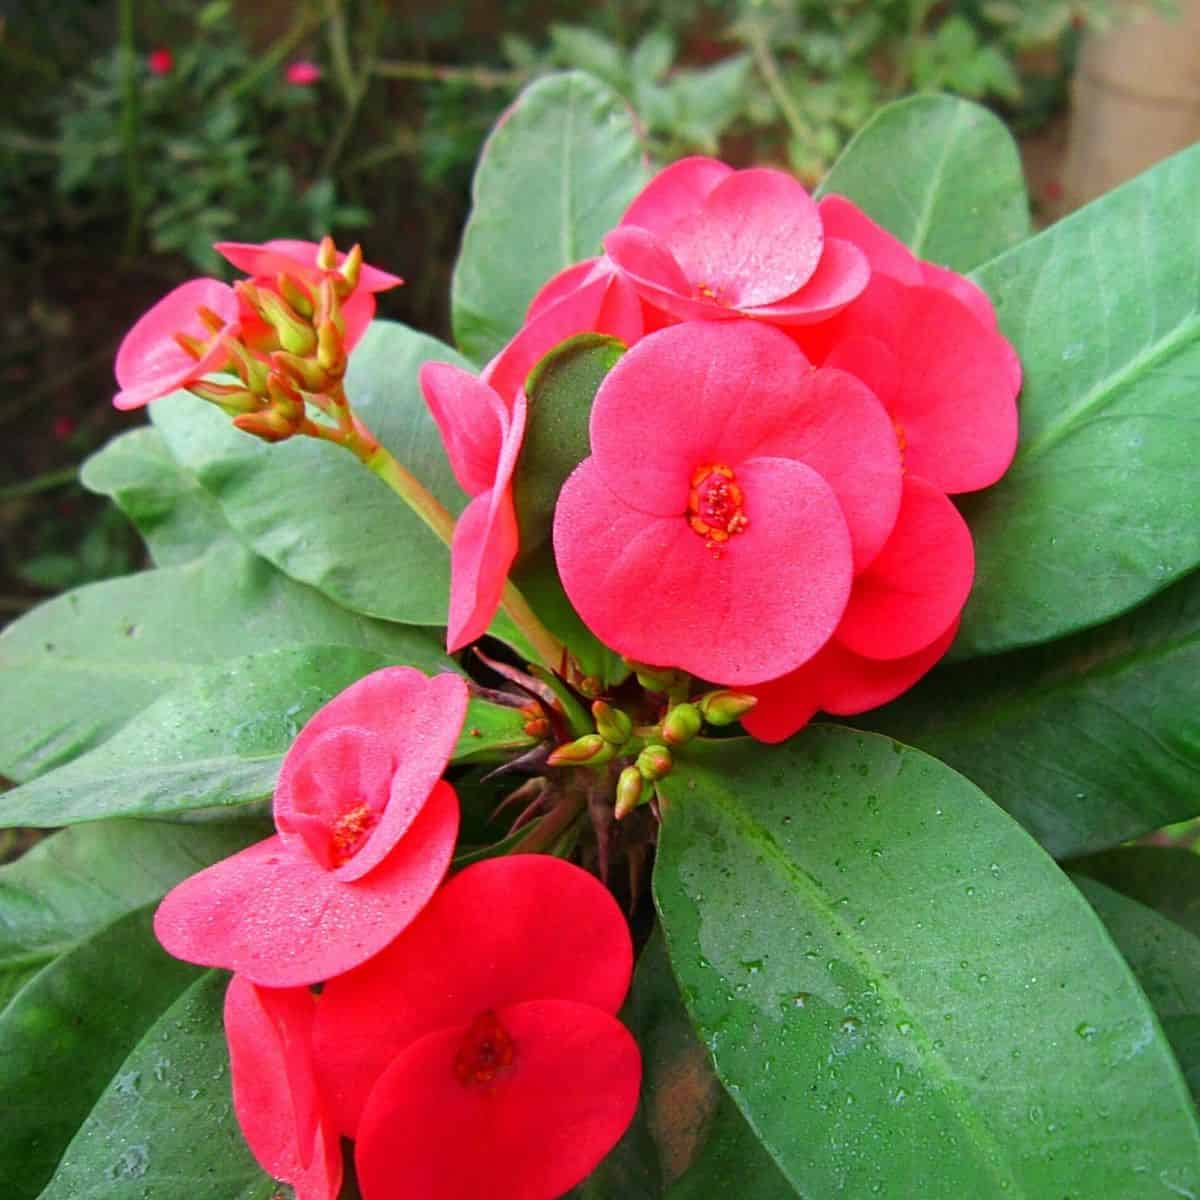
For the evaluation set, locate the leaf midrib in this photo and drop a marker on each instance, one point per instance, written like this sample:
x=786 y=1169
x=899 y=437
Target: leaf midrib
x=775 y=854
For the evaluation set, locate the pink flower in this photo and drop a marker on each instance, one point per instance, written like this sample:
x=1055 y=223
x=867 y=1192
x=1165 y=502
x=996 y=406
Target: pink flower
x=731 y=493
x=901 y=618
x=482 y=422
x=151 y=362
x=480 y=1054
x=265 y=262
x=302 y=73
x=703 y=241
x=275 y=1094
x=924 y=339
x=366 y=831
x=160 y=61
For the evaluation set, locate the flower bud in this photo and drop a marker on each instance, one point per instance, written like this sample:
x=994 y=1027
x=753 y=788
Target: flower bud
x=267 y=424
x=329 y=307
x=724 y=707
x=350 y=271
x=331 y=351
x=611 y=723
x=629 y=791
x=654 y=762
x=327 y=254
x=295 y=335
x=591 y=750
x=303 y=372
x=285 y=399
x=658 y=679
x=231 y=398
x=295 y=293
x=681 y=724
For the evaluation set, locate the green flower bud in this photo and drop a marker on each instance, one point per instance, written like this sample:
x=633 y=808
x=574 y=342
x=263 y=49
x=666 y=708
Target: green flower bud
x=681 y=724
x=629 y=791
x=654 y=763
x=591 y=750
x=611 y=723
x=724 y=707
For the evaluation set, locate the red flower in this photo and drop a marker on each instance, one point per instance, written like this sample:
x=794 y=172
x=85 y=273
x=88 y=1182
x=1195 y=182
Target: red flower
x=482 y=422
x=286 y=256
x=151 y=362
x=901 y=618
x=479 y=1054
x=731 y=493
x=705 y=241
x=366 y=832
x=160 y=61
x=275 y=1096
x=303 y=73
x=924 y=339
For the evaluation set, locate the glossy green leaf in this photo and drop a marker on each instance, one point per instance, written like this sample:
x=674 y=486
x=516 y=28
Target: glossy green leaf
x=164 y=1126
x=555 y=176
x=560 y=391
x=215 y=742
x=882 y=964
x=1164 y=878
x=1098 y=510
x=492 y=733
x=78 y=667
x=942 y=174
x=74 y=882
x=313 y=509
x=1088 y=741
x=67 y=1032
x=1165 y=957
x=178 y=519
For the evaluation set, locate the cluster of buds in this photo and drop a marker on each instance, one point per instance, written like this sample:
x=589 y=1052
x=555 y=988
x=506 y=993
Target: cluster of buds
x=283 y=337
x=649 y=749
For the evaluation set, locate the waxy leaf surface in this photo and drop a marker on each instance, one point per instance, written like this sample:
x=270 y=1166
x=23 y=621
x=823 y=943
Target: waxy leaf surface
x=313 y=509
x=1089 y=741
x=942 y=174
x=882 y=964
x=1098 y=510
x=555 y=176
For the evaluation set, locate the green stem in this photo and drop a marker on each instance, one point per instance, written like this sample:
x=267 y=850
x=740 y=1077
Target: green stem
x=306 y=21
x=130 y=122
x=768 y=68
x=413 y=492
x=419 y=72
x=40 y=483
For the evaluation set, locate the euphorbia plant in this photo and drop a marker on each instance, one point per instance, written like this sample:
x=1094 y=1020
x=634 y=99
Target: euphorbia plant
x=712 y=457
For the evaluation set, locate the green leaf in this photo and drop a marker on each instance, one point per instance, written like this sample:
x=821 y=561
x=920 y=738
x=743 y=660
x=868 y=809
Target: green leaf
x=78 y=667
x=1088 y=741
x=74 y=882
x=560 y=390
x=164 y=1126
x=178 y=519
x=882 y=964
x=942 y=174
x=1166 y=960
x=313 y=509
x=67 y=1032
x=555 y=176
x=492 y=733
x=1097 y=511
x=1164 y=878
x=216 y=742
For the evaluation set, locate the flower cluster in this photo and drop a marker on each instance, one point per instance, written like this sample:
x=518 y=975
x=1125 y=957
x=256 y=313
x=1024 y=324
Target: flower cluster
x=766 y=503
x=465 y=1035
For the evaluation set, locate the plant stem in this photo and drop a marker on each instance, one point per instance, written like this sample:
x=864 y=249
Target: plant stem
x=426 y=505
x=307 y=19
x=768 y=68
x=40 y=483
x=420 y=72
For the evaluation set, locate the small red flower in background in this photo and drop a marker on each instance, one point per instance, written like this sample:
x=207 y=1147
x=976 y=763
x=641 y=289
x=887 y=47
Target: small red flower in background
x=366 y=832
x=303 y=73
x=151 y=362
x=703 y=241
x=275 y=1093
x=731 y=494
x=266 y=262
x=479 y=1054
x=160 y=61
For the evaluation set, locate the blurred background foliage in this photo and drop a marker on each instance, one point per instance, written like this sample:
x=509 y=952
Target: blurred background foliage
x=134 y=135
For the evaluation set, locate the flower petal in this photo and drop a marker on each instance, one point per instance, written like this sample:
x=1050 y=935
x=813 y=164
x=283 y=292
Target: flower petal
x=657 y=591
x=651 y=267
x=290 y=255
x=756 y=239
x=533 y=1134
x=150 y=363
x=692 y=394
x=675 y=193
x=279 y=918
x=840 y=277
x=418 y=717
x=918 y=584
x=471 y=419
x=887 y=254
x=275 y=1096
x=525 y=927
